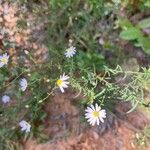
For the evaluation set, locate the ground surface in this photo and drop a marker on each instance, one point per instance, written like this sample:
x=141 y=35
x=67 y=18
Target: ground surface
x=64 y=127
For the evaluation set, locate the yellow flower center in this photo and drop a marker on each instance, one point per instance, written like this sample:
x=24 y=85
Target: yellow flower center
x=69 y=50
x=95 y=114
x=59 y=82
x=4 y=60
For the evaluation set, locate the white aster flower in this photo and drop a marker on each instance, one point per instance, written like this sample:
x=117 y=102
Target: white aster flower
x=3 y=59
x=5 y=99
x=23 y=84
x=70 y=52
x=95 y=114
x=25 y=126
x=62 y=82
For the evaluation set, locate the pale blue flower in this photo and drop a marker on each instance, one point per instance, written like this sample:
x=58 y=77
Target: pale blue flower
x=70 y=52
x=3 y=59
x=23 y=84
x=25 y=126
x=5 y=99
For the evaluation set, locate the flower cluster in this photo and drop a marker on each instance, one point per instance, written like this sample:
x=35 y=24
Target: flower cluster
x=62 y=82
x=94 y=114
x=4 y=58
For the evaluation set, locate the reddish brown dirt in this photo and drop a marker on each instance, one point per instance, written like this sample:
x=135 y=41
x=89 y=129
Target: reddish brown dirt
x=122 y=139
x=66 y=131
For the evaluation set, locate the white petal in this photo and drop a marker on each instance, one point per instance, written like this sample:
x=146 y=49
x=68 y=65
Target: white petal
x=101 y=119
x=90 y=120
x=65 y=78
x=97 y=120
x=62 y=90
x=93 y=108
x=103 y=115
x=64 y=84
x=103 y=110
x=97 y=107
x=23 y=128
x=88 y=116
x=93 y=122
x=89 y=110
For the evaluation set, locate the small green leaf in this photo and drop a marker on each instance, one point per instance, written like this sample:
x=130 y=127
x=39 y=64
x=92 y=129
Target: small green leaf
x=145 y=23
x=131 y=34
x=145 y=43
